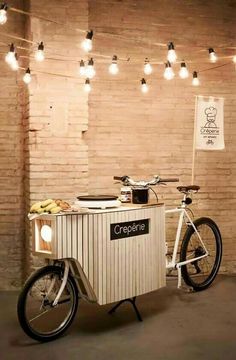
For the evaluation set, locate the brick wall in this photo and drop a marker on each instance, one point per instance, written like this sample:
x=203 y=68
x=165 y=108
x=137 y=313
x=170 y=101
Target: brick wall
x=140 y=135
x=128 y=132
x=11 y=162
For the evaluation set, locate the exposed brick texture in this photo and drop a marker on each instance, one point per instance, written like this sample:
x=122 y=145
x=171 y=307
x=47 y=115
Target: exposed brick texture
x=55 y=142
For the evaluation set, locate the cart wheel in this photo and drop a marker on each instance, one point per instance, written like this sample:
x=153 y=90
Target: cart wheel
x=37 y=316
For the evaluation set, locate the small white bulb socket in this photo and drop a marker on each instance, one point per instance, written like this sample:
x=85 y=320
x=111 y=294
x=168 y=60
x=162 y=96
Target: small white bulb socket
x=183 y=72
x=147 y=69
x=144 y=86
x=168 y=73
x=87 y=85
x=113 y=68
x=90 y=71
x=39 y=54
x=171 y=56
x=27 y=76
x=195 y=81
x=87 y=44
x=212 y=55
x=3 y=14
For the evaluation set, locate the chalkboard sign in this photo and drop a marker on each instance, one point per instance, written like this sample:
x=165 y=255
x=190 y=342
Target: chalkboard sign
x=130 y=228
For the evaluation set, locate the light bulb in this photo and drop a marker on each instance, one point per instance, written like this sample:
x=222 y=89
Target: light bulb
x=46 y=233
x=90 y=72
x=168 y=73
x=87 y=86
x=183 y=73
x=234 y=59
x=147 y=67
x=171 y=56
x=15 y=65
x=3 y=14
x=39 y=55
x=144 y=86
x=10 y=57
x=212 y=54
x=27 y=76
x=113 y=68
x=195 y=81
x=87 y=43
x=82 y=70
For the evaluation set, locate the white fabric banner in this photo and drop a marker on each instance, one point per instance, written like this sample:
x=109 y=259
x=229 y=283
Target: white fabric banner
x=209 y=123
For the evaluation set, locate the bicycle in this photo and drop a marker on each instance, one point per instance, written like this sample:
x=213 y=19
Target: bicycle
x=48 y=302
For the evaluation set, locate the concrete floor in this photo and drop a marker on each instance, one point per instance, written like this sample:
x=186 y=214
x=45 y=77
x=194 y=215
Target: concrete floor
x=177 y=325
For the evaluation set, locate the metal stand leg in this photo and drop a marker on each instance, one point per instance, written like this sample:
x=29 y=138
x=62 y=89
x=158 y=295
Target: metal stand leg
x=132 y=301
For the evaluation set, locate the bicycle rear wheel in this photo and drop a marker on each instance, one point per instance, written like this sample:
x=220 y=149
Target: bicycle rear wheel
x=200 y=273
x=37 y=316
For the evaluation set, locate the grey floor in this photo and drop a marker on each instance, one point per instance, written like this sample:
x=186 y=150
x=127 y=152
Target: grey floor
x=177 y=325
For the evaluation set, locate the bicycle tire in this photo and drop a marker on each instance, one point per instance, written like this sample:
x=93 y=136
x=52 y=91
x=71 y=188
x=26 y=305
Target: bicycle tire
x=196 y=279
x=25 y=305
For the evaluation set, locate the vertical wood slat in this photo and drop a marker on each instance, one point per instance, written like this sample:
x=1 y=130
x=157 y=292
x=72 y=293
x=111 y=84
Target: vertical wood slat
x=116 y=269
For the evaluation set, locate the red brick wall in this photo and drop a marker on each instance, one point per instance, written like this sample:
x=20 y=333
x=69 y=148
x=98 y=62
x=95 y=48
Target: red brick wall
x=140 y=135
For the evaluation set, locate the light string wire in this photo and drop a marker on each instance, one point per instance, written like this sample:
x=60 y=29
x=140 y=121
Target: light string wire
x=98 y=54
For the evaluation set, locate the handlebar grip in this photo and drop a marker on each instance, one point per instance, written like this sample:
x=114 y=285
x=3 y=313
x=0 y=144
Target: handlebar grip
x=120 y=178
x=169 y=180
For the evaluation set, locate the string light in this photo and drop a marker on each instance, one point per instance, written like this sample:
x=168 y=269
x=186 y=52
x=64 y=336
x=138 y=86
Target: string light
x=195 y=81
x=10 y=57
x=90 y=72
x=87 y=44
x=3 y=14
x=82 y=69
x=39 y=55
x=113 y=68
x=147 y=67
x=212 y=55
x=168 y=73
x=171 y=56
x=234 y=59
x=144 y=86
x=27 y=76
x=183 y=73
x=15 y=65
x=87 y=86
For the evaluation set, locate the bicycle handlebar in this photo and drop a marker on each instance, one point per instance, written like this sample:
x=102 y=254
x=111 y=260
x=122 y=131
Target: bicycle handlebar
x=126 y=180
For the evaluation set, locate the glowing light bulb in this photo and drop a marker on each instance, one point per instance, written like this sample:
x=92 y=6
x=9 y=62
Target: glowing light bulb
x=212 y=54
x=90 y=72
x=168 y=73
x=3 y=14
x=195 y=81
x=171 y=56
x=113 y=68
x=15 y=65
x=144 y=86
x=27 y=76
x=46 y=233
x=39 y=55
x=183 y=73
x=82 y=69
x=234 y=59
x=10 y=57
x=147 y=67
x=87 y=44
x=87 y=86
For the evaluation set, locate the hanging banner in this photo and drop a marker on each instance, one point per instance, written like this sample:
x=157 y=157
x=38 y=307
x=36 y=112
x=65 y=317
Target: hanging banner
x=209 y=123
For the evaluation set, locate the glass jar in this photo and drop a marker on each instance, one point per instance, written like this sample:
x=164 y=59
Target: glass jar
x=125 y=194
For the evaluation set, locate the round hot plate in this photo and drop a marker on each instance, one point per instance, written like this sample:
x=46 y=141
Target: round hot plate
x=97 y=197
x=98 y=201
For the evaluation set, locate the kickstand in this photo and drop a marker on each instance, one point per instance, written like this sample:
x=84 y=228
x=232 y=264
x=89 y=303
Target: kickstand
x=132 y=301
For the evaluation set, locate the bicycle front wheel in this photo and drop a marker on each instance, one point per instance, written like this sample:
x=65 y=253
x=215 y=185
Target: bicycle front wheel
x=37 y=316
x=200 y=273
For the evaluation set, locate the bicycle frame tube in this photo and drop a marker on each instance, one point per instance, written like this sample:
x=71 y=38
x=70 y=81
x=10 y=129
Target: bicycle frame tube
x=182 y=213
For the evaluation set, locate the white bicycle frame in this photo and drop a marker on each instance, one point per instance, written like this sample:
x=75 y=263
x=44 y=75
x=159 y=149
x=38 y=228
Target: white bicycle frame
x=183 y=218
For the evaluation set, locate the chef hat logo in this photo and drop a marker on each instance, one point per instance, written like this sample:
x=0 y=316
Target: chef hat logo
x=211 y=113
